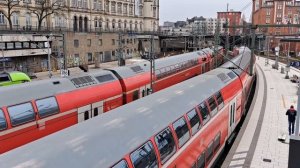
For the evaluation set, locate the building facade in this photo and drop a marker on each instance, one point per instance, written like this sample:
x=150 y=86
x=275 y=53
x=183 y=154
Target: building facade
x=278 y=12
x=233 y=18
x=91 y=28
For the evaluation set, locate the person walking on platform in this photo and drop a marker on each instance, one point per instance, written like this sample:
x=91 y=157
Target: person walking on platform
x=291 y=113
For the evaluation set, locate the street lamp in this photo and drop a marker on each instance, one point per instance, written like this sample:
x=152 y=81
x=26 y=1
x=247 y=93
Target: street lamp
x=49 y=61
x=288 y=56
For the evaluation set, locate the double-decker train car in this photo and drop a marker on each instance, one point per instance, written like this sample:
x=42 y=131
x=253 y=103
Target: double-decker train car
x=186 y=125
x=36 y=109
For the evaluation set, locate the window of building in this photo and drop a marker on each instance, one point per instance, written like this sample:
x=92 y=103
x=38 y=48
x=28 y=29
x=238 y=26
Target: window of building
x=25 y=44
x=90 y=57
x=268 y=20
x=182 y=131
x=113 y=7
x=3 y=124
x=279 y=7
x=119 y=8
x=113 y=41
x=89 y=42
x=204 y=112
x=21 y=114
x=194 y=121
x=10 y=45
x=165 y=144
x=100 y=42
x=144 y=156
x=47 y=107
x=130 y=9
x=2 y=18
x=15 y=19
x=28 y=20
x=76 y=43
x=125 y=9
x=18 y=45
x=121 y=164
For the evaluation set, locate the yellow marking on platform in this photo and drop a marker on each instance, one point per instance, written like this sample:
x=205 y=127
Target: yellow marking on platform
x=283 y=101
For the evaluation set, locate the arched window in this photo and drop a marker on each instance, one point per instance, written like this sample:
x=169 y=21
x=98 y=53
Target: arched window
x=130 y=25
x=141 y=26
x=80 y=24
x=96 y=22
x=120 y=24
x=2 y=18
x=28 y=20
x=136 y=26
x=114 y=24
x=15 y=19
x=75 y=28
x=125 y=24
x=107 y=24
x=100 y=23
x=85 y=24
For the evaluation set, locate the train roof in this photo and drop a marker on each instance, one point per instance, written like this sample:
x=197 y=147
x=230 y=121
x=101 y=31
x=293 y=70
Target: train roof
x=239 y=62
x=102 y=141
x=131 y=70
x=44 y=88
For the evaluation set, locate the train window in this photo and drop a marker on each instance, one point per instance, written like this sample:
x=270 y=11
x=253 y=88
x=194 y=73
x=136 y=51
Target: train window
x=194 y=121
x=166 y=145
x=182 y=131
x=220 y=100
x=86 y=115
x=3 y=124
x=96 y=112
x=135 y=95
x=144 y=157
x=201 y=160
x=47 y=107
x=213 y=106
x=217 y=142
x=204 y=112
x=21 y=114
x=121 y=164
x=209 y=152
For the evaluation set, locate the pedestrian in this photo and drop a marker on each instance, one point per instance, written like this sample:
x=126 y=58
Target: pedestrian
x=291 y=113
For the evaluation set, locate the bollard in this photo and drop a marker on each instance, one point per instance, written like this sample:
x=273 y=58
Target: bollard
x=282 y=70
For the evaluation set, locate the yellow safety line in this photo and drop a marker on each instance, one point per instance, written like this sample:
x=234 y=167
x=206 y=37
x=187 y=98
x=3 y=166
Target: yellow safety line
x=283 y=101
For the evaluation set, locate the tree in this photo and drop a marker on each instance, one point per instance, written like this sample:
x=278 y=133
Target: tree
x=45 y=8
x=10 y=4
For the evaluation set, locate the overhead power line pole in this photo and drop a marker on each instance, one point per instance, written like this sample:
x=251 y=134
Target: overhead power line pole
x=227 y=33
x=253 y=40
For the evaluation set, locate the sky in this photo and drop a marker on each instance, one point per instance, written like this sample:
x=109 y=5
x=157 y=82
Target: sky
x=175 y=10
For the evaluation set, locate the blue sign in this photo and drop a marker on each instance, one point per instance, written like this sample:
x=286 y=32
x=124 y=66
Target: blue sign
x=5 y=59
x=295 y=64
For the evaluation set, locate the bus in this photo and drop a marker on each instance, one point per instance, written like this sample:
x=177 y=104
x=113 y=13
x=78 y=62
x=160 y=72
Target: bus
x=12 y=78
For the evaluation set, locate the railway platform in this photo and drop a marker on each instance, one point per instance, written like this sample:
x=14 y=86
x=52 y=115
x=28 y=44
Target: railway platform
x=263 y=140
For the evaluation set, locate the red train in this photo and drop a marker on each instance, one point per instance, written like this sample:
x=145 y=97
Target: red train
x=184 y=126
x=33 y=110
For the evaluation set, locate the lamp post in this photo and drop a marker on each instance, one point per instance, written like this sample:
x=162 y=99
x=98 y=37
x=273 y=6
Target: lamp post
x=49 y=61
x=288 y=57
x=2 y=48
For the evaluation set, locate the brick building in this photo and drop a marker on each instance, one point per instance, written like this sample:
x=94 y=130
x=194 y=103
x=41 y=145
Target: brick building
x=90 y=28
x=234 y=18
x=278 y=12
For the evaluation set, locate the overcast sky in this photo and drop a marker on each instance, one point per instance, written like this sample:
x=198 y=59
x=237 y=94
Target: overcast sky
x=174 y=10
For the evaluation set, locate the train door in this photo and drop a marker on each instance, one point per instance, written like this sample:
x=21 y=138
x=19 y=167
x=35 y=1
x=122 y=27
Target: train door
x=84 y=113
x=203 y=68
x=97 y=108
x=232 y=111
